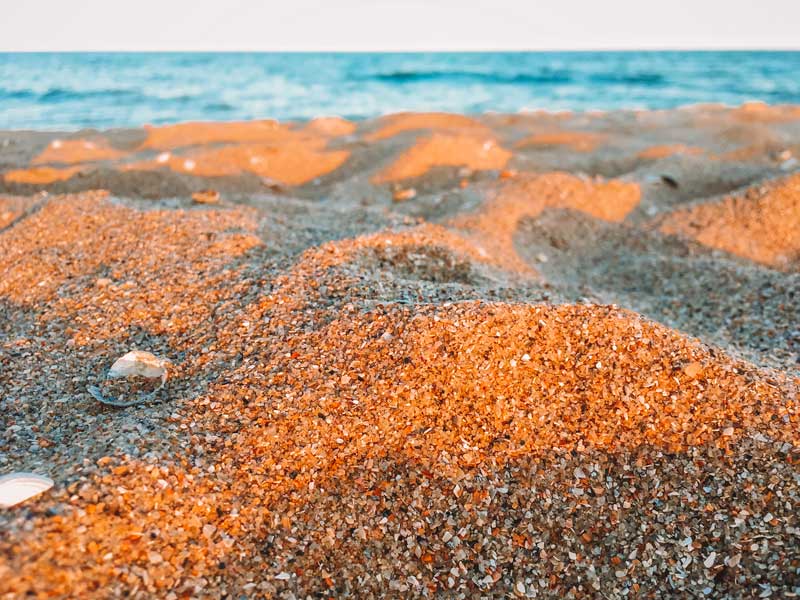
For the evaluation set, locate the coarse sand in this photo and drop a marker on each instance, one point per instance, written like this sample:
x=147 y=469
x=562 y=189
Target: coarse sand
x=427 y=355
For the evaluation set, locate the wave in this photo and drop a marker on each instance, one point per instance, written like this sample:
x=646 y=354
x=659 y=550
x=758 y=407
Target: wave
x=56 y=95
x=634 y=78
x=219 y=107
x=64 y=94
x=470 y=76
x=17 y=94
x=542 y=77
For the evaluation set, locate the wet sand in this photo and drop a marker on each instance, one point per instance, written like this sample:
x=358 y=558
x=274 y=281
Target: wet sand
x=530 y=355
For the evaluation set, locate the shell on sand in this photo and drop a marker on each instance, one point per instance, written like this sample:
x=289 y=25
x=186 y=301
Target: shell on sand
x=136 y=363
x=139 y=363
x=18 y=487
x=206 y=197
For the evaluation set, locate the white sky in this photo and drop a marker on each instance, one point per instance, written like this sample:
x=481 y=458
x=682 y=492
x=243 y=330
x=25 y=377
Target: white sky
x=397 y=24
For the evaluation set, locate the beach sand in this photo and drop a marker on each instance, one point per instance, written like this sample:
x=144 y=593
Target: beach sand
x=529 y=355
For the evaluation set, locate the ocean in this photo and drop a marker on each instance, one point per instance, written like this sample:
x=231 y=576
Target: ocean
x=70 y=91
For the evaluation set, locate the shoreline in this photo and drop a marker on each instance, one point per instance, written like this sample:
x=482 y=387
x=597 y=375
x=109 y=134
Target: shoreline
x=754 y=103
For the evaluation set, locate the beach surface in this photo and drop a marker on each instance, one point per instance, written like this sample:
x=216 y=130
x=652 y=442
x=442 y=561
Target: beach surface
x=528 y=355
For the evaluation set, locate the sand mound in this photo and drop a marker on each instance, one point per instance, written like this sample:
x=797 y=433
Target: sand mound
x=663 y=151
x=410 y=408
x=428 y=252
x=760 y=224
x=496 y=223
x=77 y=151
x=579 y=141
x=744 y=308
x=169 y=137
x=290 y=163
x=12 y=208
x=41 y=175
x=564 y=376
x=399 y=123
x=331 y=126
x=442 y=150
x=761 y=112
x=50 y=249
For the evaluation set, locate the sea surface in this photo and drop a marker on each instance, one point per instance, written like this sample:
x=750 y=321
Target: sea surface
x=75 y=91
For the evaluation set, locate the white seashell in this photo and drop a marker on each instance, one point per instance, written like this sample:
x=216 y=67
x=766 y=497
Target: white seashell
x=138 y=362
x=18 y=487
x=163 y=157
x=189 y=164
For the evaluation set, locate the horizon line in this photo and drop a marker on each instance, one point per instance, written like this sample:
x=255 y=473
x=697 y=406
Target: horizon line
x=400 y=50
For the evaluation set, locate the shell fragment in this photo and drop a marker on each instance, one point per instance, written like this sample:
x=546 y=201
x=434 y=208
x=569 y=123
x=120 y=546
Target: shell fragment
x=138 y=362
x=18 y=487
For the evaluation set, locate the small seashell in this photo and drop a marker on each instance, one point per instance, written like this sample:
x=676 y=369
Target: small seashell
x=206 y=197
x=189 y=164
x=138 y=362
x=18 y=487
x=404 y=194
x=163 y=157
x=135 y=364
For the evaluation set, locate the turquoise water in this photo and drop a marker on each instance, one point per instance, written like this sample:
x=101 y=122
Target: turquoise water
x=73 y=91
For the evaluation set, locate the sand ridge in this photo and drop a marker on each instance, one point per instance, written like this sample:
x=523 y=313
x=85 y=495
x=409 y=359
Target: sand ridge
x=760 y=224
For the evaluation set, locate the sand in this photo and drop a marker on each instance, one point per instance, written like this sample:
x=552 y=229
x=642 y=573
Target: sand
x=428 y=355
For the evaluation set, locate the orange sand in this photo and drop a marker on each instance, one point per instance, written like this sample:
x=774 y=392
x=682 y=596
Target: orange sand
x=440 y=150
x=77 y=151
x=41 y=175
x=331 y=126
x=399 y=123
x=289 y=163
x=169 y=137
x=12 y=208
x=496 y=223
x=663 y=151
x=761 y=112
x=760 y=225
x=580 y=141
x=42 y=263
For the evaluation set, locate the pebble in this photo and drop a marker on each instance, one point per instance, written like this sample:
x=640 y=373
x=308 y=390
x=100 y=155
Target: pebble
x=206 y=197
x=401 y=195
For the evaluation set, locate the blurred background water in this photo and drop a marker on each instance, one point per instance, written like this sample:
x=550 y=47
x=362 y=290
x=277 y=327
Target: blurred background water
x=74 y=91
